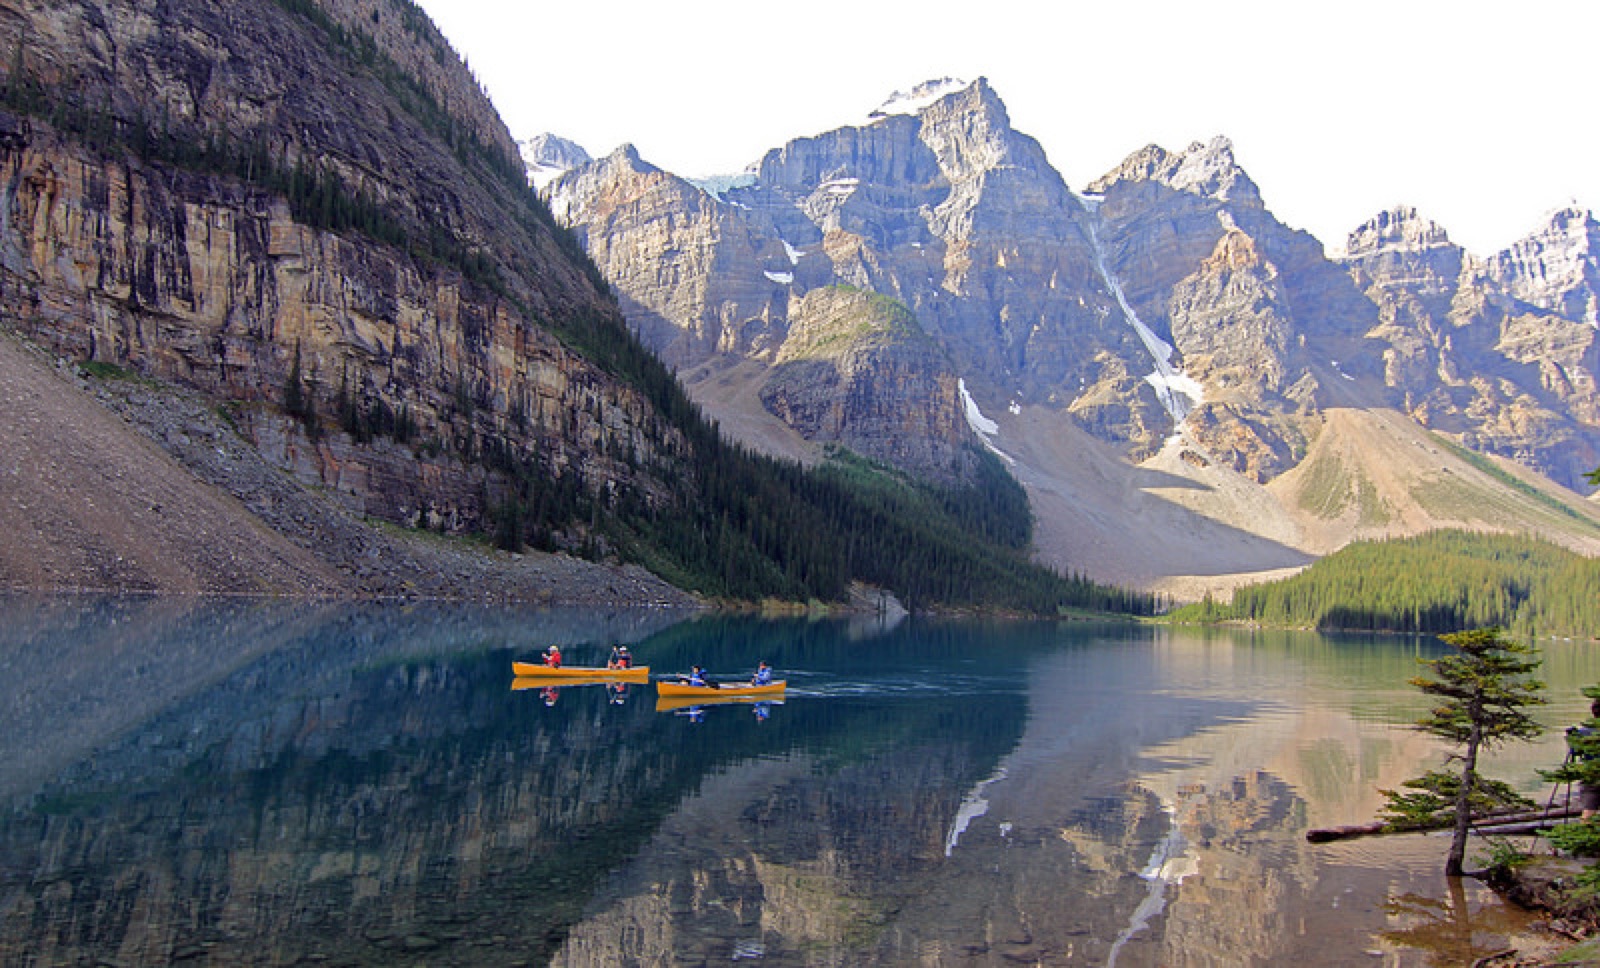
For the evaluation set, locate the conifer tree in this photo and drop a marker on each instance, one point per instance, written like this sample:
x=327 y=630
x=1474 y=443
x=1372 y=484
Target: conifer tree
x=1484 y=686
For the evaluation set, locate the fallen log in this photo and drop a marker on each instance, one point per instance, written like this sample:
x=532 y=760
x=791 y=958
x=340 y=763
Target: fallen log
x=1322 y=835
x=1508 y=829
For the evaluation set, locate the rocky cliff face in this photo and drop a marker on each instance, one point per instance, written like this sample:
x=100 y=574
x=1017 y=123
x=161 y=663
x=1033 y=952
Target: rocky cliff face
x=856 y=370
x=1499 y=351
x=546 y=157
x=1556 y=268
x=1166 y=297
x=229 y=195
x=947 y=210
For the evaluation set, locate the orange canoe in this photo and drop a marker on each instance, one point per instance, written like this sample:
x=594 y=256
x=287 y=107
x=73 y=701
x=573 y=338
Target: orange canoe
x=538 y=670
x=726 y=690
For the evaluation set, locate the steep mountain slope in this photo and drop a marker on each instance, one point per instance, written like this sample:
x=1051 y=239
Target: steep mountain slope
x=307 y=214
x=313 y=208
x=118 y=484
x=1158 y=356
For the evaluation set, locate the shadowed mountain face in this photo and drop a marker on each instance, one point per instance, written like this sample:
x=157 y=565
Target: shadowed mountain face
x=1163 y=302
x=239 y=197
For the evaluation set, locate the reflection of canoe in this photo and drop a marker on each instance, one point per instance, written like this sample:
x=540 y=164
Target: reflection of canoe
x=666 y=704
x=679 y=689
x=537 y=670
x=548 y=682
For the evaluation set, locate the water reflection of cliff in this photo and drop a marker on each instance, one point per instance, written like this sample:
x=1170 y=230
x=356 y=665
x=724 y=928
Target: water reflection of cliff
x=350 y=797
x=363 y=787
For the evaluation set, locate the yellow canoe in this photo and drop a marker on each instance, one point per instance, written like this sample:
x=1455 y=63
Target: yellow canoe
x=726 y=690
x=538 y=670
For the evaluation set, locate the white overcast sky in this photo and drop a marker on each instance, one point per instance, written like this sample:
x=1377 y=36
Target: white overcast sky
x=1482 y=115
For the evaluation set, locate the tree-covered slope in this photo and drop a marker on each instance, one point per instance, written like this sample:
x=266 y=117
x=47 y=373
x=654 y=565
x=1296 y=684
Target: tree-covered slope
x=1441 y=581
x=308 y=212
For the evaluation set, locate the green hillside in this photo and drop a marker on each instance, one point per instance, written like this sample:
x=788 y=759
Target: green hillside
x=1442 y=581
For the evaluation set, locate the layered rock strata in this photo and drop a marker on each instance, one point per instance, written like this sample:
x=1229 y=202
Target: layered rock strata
x=313 y=205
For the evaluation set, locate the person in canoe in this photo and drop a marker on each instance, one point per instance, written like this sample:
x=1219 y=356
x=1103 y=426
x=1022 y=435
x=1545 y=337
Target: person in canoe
x=763 y=676
x=552 y=656
x=697 y=677
x=624 y=657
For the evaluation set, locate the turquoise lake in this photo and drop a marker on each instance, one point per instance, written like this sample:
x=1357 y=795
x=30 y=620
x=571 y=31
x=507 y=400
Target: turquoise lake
x=284 y=783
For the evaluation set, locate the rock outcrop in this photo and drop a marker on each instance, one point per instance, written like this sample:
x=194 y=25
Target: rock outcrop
x=1165 y=302
x=312 y=208
x=1500 y=352
x=547 y=157
x=857 y=370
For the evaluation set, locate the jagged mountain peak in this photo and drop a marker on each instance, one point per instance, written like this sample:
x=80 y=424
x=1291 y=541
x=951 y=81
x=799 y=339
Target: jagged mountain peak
x=547 y=156
x=944 y=128
x=1572 y=218
x=1557 y=266
x=1400 y=227
x=1056 y=313
x=1204 y=168
x=627 y=156
x=588 y=183
x=919 y=97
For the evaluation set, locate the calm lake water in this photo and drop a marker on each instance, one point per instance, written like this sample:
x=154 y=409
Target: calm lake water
x=279 y=783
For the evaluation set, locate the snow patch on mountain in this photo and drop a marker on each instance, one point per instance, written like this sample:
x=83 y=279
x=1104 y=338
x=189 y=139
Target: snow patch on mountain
x=985 y=428
x=718 y=186
x=1178 y=392
x=547 y=157
x=918 y=99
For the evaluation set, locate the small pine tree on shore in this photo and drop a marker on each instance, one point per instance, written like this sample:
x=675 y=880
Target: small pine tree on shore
x=1485 y=687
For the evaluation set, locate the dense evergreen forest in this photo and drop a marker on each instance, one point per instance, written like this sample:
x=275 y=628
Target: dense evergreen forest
x=1443 y=581
x=740 y=525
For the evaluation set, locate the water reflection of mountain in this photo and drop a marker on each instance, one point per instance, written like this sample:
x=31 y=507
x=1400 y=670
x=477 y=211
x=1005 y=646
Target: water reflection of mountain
x=363 y=786
x=335 y=799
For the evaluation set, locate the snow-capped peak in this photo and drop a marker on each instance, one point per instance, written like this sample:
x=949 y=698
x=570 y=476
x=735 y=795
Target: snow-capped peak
x=547 y=157
x=918 y=98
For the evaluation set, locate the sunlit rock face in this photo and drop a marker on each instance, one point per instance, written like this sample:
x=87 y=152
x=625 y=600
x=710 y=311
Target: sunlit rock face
x=1499 y=351
x=1556 y=267
x=140 y=250
x=936 y=202
x=1166 y=295
x=1256 y=312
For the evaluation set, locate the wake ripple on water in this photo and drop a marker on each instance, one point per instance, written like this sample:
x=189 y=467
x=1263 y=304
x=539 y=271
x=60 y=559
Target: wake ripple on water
x=826 y=686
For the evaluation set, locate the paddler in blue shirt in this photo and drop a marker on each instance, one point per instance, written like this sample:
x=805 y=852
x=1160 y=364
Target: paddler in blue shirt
x=763 y=676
